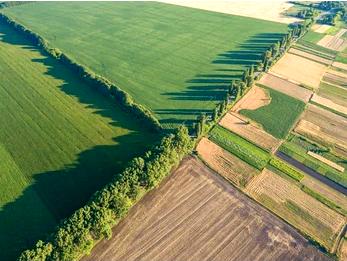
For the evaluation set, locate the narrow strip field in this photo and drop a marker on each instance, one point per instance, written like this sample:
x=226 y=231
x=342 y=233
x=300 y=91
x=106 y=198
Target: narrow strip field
x=329 y=104
x=60 y=141
x=296 y=207
x=336 y=94
x=286 y=87
x=334 y=42
x=241 y=126
x=310 y=56
x=196 y=216
x=300 y=70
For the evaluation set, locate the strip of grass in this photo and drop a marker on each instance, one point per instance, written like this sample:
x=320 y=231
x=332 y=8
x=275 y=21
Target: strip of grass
x=278 y=117
x=242 y=148
x=177 y=61
x=312 y=37
x=316 y=47
x=312 y=51
x=286 y=169
x=297 y=148
x=60 y=141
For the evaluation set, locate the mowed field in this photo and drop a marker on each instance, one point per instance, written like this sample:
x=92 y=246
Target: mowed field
x=196 y=215
x=175 y=60
x=60 y=141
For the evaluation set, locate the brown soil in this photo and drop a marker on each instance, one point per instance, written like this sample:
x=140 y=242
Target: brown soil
x=241 y=126
x=336 y=77
x=329 y=103
x=226 y=164
x=196 y=215
x=255 y=98
x=299 y=69
x=276 y=193
x=324 y=127
x=286 y=87
x=310 y=56
x=339 y=65
x=334 y=42
x=320 y=28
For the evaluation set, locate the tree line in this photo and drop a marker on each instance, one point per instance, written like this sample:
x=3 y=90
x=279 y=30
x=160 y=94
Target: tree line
x=76 y=235
x=98 y=82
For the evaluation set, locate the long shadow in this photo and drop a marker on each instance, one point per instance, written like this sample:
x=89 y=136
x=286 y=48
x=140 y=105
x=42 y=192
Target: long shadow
x=212 y=86
x=55 y=194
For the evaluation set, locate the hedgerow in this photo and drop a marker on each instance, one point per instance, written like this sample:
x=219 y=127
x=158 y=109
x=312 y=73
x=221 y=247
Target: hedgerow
x=76 y=235
x=286 y=169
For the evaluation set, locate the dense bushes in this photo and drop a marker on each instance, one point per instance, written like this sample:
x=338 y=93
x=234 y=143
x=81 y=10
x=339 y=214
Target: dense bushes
x=76 y=235
x=96 y=81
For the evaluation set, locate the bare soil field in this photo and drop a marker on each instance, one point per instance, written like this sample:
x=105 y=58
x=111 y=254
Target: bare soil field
x=339 y=65
x=336 y=77
x=343 y=250
x=326 y=161
x=326 y=191
x=329 y=103
x=266 y=10
x=229 y=166
x=310 y=56
x=255 y=98
x=324 y=127
x=299 y=69
x=241 y=126
x=298 y=208
x=197 y=215
x=320 y=28
x=286 y=87
x=334 y=42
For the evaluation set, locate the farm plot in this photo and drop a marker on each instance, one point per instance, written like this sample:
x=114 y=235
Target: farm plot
x=329 y=104
x=334 y=42
x=320 y=28
x=340 y=65
x=226 y=164
x=296 y=207
x=299 y=69
x=310 y=56
x=334 y=93
x=286 y=87
x=241 y=126
x=196 y=215
x=324 y=127
x=278 y=117
x=336 y=78
x=60 y=141
x=255 y=98
x=160 y=53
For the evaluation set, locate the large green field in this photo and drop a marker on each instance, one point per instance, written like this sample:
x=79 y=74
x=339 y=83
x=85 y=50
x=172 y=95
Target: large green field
x=278 y=117
x=60 y=141
x=177 y=61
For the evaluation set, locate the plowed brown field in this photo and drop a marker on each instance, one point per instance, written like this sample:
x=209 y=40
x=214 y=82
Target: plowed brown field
x=196 y=215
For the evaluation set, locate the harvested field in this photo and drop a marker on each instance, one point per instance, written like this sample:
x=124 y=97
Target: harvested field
x=299 y=69
x=329 y=104
x=334 y=42
x=225 y=163
x=310 y=56
x=334 y=93
x=286 y=87
x=196 y=215
x=339 y=65
x=336 y=77
x=266 y=10
x=326 y=191
x=298 y=208
x=326 y=161
x=255 y=98
x=240 y=125
x=320 y=28
x=324 y=127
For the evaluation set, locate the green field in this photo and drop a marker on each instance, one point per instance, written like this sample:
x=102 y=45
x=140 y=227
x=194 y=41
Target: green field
x=312 y=37
x=297 y=147
x=278 y=117
x=240 y=147
x=60 y=141
x=177 y=61
x=337 y=95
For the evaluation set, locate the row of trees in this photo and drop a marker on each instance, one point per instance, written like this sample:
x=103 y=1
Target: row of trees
x=96 y=81
x=76 y=235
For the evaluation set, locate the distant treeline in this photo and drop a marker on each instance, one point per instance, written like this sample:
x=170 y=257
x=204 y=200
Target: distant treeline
x=76 y=235
x=13 y=3
x=98 y=82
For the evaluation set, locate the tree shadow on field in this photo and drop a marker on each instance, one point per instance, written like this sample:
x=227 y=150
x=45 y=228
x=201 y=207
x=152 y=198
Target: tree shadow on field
x=55 y=194
x=212 y=86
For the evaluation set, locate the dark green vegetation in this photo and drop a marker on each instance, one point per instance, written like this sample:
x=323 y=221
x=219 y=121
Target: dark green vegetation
x=60 y=141
x=278 y=117
x=240 y=147
x=176 y=61
x=297 y=147
x=76 y=236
